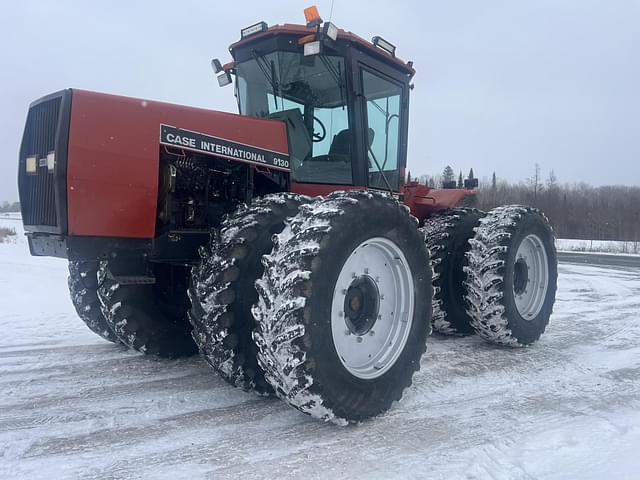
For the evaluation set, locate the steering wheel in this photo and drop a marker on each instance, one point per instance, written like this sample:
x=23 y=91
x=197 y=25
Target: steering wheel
x=319 y=136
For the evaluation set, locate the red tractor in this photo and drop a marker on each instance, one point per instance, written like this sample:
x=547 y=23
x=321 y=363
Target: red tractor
x=282 y=243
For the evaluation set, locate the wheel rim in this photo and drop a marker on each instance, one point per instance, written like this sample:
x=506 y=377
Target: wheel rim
x=530 y=277
x=372 y=308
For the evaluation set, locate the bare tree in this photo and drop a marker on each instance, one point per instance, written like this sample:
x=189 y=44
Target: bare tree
x=535 y=183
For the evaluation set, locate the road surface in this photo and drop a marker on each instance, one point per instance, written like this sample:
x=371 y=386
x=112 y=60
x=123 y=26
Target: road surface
x=608 y=259
x=74 y=406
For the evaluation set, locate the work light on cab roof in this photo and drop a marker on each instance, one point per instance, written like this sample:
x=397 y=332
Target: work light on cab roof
x=313 y=43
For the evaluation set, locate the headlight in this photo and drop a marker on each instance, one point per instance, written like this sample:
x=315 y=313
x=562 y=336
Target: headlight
x=224 y=79
x=253 y=29
x=32 y=164
x=331 y=31
x=382 y=44
x=312 y=48
x=51 y=161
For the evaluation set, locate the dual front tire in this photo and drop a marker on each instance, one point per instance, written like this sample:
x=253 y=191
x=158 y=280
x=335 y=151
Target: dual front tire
x=83 y=289
x=337 y=320
x=151 y=319
x=222 y=288
x=344 y=307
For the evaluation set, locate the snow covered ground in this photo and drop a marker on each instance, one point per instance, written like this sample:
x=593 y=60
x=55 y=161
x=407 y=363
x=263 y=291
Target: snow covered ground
x=74 y=406
x=8 y=224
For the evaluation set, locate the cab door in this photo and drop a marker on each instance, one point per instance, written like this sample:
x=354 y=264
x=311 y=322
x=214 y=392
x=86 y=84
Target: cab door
x=384 y=106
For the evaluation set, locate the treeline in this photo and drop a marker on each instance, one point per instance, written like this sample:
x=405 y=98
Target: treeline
x=576 y=210
x=9 y=207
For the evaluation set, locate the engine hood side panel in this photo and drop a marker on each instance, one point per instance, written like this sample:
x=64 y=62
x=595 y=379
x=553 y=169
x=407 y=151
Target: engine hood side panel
x=113 y=157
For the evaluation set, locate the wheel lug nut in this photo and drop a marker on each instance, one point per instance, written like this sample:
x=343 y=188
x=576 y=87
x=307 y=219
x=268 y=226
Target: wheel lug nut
x=379 y=317
x=359 y=339
x=372 y=333
x=344 y=291
x=341 y=314
x=347 y=332
x=381 y=296
x=366 y=270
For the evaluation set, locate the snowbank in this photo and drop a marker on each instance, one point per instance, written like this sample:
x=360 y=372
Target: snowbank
x=12 y=221
x=598 y=246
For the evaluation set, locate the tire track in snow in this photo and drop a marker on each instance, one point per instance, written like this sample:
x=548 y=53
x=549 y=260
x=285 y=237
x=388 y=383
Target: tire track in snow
x=75 y=407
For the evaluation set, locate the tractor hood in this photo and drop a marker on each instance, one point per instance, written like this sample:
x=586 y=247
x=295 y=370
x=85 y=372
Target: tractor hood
x=84 y=148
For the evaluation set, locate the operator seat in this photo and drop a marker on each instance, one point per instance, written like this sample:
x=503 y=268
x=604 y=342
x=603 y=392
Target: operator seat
x=340 y=149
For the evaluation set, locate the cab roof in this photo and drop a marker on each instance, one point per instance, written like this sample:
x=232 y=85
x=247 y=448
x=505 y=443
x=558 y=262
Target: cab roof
x=343 y=36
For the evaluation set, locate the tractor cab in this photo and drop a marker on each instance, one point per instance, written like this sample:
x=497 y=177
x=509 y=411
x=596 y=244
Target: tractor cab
x=345 y=100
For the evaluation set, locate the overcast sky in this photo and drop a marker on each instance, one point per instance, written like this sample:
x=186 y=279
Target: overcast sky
x=501 y=84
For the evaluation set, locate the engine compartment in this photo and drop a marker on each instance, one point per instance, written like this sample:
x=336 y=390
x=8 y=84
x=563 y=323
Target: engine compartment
x=196 y=191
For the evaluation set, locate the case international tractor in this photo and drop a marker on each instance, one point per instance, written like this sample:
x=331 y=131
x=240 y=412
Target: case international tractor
x=282 y=243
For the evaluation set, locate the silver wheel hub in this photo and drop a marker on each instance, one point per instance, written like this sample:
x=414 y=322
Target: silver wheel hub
x=530 y=277
x=372 y=308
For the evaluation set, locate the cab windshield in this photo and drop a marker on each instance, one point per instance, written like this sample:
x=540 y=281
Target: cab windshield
x=308 y=92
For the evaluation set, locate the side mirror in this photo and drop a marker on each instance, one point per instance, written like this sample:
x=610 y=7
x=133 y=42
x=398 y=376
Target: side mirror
x=224 y=78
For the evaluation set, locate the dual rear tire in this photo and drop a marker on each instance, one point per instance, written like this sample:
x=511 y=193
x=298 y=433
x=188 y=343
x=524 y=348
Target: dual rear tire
x=495 y=273
x=512 y=275
x=447 y=236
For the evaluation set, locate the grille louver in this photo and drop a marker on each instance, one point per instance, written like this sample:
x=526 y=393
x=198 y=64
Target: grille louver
x=42 y=194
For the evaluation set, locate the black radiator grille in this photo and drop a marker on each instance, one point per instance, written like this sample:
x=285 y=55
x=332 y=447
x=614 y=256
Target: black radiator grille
x=37 y=194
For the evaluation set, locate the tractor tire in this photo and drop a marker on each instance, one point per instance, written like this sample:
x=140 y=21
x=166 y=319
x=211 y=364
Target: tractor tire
x=447 y=236
x=151 y=319
x=344 y=306
x=83 y=287
x=223 y=291
x=512 y=276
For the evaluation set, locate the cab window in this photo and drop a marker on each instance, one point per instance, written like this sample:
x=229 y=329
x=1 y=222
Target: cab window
x=310 y=92
x=383 y=137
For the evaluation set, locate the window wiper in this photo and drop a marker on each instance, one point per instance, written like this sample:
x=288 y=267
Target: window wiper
x=380 y=109
x=386 y=137
x=337 y=76
x=375 y=160
x=269 y=73
x=388 y=119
